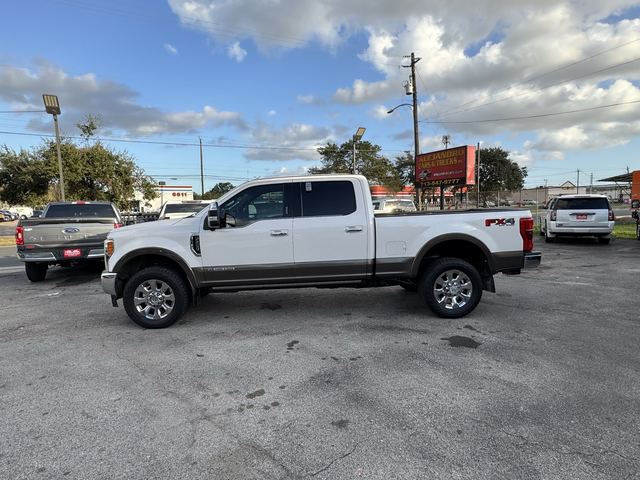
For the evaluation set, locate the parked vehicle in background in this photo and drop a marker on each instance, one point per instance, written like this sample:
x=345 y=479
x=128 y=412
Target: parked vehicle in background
x=8 y=215
x=23 y=212
x=186 y=208
x=315 y=231
x=67 y=232
x=391 y=205
x=4 y=217
x=578 y=215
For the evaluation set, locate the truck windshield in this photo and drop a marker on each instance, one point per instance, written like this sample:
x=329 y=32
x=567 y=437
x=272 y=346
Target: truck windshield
x=80 y=210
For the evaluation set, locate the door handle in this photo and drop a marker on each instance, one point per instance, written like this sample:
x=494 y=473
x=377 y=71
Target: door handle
x=353 y=228
x=279 y=233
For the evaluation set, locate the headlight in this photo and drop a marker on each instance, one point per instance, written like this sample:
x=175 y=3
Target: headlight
x=109 y=247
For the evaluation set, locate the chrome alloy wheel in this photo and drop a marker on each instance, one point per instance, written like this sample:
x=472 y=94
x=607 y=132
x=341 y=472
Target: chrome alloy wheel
x=154 y=299
x=452 y=289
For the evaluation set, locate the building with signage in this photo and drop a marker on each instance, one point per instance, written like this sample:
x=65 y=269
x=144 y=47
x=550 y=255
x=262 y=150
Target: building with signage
x=164 y=193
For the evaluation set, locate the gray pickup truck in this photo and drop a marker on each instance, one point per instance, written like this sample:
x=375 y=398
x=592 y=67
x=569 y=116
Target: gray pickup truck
x=66 y=233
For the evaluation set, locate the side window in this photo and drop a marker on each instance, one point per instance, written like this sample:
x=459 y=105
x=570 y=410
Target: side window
x=330 y=198
x=261 y=202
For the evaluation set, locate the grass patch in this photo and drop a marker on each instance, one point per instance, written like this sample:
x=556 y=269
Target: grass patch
x=624 y=230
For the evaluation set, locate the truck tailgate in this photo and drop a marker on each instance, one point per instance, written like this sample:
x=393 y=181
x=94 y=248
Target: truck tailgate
x=60 y=231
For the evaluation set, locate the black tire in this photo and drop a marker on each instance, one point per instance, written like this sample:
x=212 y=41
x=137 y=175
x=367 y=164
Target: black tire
x=547 y=238
x=604 y=240
x=169 y=302
x=36 y=272
x=454 y=270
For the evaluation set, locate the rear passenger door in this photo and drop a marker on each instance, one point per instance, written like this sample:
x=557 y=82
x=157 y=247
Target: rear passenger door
x=330 y=232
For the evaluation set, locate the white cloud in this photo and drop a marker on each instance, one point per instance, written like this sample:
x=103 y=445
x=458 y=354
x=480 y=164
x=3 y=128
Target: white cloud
x=170 y=49
x=115 y=103
x=272 y=113
x=493 y=52
x=236 y=52
x=309 y=100
x=291 y=142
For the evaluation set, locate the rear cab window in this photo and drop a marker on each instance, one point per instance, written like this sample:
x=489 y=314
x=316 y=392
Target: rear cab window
x=80 y=210
x=327 y=198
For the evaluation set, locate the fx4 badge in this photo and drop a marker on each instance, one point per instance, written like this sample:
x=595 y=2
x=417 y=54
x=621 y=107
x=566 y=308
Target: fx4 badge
x=500 y=222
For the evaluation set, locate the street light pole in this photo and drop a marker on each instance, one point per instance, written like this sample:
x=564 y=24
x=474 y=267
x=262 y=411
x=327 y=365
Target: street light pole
x=57 y=129
x=52 y=107
x=356 y=138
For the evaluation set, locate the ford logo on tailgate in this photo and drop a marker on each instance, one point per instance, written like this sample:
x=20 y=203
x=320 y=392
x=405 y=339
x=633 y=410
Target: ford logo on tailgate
x=71 y=230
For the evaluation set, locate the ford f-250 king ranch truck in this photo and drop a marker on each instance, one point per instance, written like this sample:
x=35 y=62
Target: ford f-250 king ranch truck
x=67 y=232
x=317 y=231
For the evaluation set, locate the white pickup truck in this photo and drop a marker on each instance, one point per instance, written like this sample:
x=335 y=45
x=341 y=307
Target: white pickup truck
x=314 y=231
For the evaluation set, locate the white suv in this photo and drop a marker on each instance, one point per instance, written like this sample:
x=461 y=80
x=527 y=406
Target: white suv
x=578 y=215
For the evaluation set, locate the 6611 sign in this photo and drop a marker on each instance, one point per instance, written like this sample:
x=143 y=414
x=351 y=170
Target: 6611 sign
x=453 y=166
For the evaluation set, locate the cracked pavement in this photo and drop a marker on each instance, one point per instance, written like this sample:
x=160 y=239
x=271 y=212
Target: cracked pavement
x=329 y=384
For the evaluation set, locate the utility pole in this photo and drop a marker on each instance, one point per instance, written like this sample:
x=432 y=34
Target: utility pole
x=546 y=191
x=446 y=139
x=478 y=174
x=578 y=182
x=201 y=170
x=416 y=141
x=591 y=183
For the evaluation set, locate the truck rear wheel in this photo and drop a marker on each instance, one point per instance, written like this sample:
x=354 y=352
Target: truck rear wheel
x=155 y=297
x=451 y=287
x=36 y=272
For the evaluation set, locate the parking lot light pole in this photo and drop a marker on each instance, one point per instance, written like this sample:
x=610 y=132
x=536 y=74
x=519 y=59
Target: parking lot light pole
x=356 y=138
x=52 y=107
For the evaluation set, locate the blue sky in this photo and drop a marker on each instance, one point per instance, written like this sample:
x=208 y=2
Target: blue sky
x=264 y=83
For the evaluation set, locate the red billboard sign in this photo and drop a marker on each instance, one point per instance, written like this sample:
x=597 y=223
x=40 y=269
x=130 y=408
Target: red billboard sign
x=453 y=166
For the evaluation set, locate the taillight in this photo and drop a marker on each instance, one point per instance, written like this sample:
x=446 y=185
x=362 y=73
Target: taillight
x=612 y=215
x=526 y=232
x=554 y=215
x=117 y=225
x=19 y=236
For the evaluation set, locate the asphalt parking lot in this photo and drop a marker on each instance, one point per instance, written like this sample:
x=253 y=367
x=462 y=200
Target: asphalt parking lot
x=541 y=381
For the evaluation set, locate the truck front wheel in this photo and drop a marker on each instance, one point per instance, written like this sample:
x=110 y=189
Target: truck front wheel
x=155 y=297
x=451 y=287
x=36 y=272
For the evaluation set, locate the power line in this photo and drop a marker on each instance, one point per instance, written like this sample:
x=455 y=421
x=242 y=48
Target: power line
x=450 y=112
x=22 y=111
x=531 y=116
x=184 y=144
x=545 y=74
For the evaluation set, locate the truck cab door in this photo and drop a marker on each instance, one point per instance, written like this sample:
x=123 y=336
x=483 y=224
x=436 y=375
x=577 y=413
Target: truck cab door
x=255 y=247
x=331 y=231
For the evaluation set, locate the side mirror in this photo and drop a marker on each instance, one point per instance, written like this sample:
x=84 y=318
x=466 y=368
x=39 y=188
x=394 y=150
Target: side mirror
x=216 y=218
x=635 y=203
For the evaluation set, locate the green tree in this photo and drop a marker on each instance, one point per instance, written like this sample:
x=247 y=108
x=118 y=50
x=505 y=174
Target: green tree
x=216 y=191
x=498 y=173
x=91 y=172
x=405 y=167
x=24 y=178
x=369 y=162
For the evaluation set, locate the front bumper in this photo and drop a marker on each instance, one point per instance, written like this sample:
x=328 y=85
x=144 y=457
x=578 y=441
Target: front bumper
x=532 y=260
x=108 y=280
